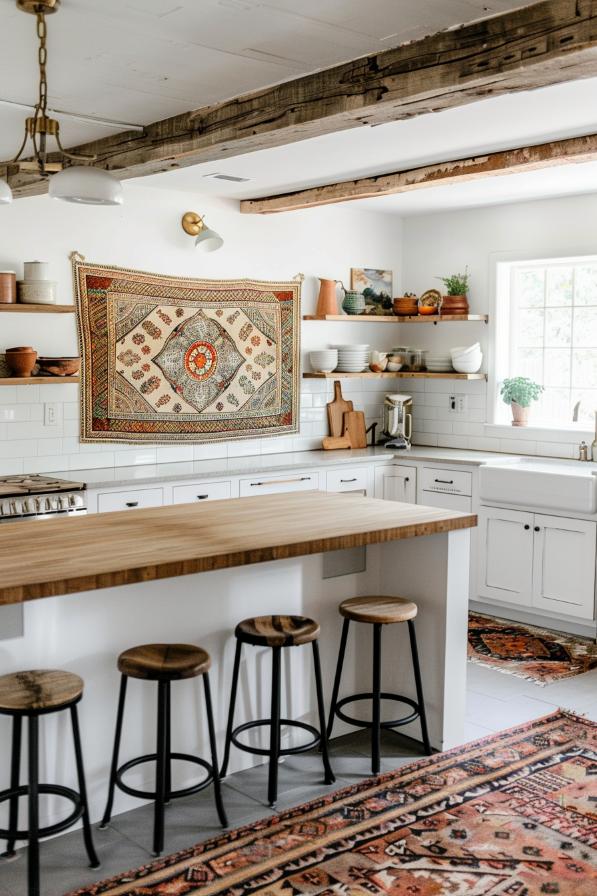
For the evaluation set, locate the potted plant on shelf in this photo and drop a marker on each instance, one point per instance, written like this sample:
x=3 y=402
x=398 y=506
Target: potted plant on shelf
x=519 y=392
x=456 y=299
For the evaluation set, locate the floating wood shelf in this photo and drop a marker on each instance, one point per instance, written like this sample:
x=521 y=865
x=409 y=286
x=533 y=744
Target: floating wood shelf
x=39 y=309
x=37 y=380
x=396 y=319
x=368 y=374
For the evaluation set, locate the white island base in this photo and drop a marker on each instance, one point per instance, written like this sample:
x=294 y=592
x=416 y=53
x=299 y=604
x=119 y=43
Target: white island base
x=85 y=632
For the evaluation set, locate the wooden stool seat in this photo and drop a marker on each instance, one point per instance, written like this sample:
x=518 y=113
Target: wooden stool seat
x=384 y=610
x=277 y=631
x=38 y=690
x=164 y=662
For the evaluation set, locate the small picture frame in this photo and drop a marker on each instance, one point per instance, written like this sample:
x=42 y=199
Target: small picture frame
x=375 y=284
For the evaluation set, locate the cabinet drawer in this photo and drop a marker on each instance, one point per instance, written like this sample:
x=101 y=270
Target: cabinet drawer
x=450 y=482
x=448 y=501
x=130 y=500
x=285 y=482
x=347 y=480
x=200 y=491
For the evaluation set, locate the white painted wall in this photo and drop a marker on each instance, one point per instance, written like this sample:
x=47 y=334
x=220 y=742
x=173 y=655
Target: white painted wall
x=440 y=244
x=146 y=234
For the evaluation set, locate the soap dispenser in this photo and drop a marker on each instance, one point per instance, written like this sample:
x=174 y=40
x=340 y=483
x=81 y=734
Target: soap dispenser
x=594 y=443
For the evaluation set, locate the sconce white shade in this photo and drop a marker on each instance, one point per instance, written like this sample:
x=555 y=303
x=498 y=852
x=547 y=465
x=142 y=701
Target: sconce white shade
x=208 y=240
x=86 y=185
x=5 y=193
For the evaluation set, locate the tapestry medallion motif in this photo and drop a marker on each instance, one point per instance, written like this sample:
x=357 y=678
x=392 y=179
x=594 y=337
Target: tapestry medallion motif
x=172 y=359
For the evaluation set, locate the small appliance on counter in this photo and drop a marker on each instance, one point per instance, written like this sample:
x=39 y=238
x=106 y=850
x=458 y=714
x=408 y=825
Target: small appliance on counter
x=39 y=497
x=397 y=421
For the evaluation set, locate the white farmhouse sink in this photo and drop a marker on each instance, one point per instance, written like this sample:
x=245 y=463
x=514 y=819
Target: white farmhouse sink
x=560 y=485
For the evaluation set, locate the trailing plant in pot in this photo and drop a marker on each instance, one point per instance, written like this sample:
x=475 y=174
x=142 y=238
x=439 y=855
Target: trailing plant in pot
x=519 y=392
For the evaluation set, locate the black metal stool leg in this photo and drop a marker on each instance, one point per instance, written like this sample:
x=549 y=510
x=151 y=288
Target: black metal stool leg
x=93 y=859
x=160 y=789
x=168 y=745
x=274 y=743
x=235 y=674
x=415 y=656
x=33 y=823
x=114 y=765
x=15 y=769
x=329 y=775
x=214 y=753
x=376 y=694
x=338 y=677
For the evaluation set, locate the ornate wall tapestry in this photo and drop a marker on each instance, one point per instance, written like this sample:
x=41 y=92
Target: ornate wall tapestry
x=169 y=359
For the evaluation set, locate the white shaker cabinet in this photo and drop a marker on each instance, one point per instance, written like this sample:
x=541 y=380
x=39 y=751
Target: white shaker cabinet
x=396 y=482
x=545 y=563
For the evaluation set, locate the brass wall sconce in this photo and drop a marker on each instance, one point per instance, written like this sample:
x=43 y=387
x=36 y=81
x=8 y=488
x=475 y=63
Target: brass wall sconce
x=205 y=238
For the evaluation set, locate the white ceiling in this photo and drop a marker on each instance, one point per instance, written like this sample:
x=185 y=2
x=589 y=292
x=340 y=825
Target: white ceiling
x=144 y=60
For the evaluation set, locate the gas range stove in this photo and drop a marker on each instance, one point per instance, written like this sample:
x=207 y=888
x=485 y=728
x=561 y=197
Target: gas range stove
x=39 y=497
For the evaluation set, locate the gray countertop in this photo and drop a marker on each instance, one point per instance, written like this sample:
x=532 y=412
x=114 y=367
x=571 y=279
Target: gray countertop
x=112 y=477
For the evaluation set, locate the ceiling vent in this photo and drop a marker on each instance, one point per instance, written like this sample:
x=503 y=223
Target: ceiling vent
x=229 y=177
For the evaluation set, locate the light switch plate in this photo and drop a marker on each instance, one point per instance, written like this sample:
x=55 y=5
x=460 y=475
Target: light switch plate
x=51 y=413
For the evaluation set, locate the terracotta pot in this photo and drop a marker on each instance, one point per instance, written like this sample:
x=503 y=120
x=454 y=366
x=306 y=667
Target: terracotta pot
x=8 y=287
x=520 y=415
x=21 y=361
x=327 y=301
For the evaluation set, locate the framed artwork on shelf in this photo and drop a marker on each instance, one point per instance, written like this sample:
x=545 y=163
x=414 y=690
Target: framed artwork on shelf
x=375 y=284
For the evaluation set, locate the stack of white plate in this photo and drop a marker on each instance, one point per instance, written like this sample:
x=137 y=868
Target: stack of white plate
x=352 y=358
x=438 y=362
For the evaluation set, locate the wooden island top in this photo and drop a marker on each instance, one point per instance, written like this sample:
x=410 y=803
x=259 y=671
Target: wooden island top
x=75 y=554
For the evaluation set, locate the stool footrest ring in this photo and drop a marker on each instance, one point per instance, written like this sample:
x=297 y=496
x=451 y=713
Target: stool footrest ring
x=286 y=751
x=174 y=794
x=51 y=829
x=362 y=723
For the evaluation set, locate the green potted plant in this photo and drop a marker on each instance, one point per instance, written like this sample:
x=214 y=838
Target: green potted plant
x=519 y=392
x=455 y=301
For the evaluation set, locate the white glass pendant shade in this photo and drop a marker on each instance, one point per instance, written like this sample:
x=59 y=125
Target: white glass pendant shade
x=208 y=240
x=86 y=185
x=5 y=193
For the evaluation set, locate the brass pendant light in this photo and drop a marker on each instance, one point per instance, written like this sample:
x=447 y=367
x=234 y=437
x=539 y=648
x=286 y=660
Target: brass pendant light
x=76 y=183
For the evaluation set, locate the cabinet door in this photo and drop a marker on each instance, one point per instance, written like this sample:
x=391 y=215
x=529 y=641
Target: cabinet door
x=348 y=479
x=564 y=566
x=397 y=482
x=506 y=555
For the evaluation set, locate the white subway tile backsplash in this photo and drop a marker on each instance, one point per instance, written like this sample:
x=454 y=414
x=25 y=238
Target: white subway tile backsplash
x=91 y=461
x=8 y=395
x=447 y=441
x=13 y=450
x=46 y=447
x=167 y=454
x=134 y=456
x=518 y=446
x=25 y=394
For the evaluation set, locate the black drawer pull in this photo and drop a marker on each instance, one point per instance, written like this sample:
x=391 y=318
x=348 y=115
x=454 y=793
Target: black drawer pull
x=354 y=479
x=537 y=529
x=527 y=526
x=202 y=497
x=445 y=481
x=132 y=503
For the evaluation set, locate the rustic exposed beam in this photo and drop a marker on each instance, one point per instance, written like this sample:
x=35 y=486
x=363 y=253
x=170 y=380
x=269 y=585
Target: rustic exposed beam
x=541 y=44
x=509 y=161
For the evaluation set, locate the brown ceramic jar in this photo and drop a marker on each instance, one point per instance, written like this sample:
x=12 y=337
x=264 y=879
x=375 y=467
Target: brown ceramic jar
x=21 y=360
x=8 y=287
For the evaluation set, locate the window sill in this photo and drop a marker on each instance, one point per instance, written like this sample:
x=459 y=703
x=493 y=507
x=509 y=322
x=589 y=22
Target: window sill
x=538 y=433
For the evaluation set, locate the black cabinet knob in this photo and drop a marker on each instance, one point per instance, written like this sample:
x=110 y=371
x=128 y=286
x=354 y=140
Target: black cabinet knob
x=527 y=526
x=537 y=529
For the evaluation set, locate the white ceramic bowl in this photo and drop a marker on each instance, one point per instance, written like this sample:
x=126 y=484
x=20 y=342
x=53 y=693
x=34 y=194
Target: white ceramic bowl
x=323 y=361
x=466 y=350
x=463 y=365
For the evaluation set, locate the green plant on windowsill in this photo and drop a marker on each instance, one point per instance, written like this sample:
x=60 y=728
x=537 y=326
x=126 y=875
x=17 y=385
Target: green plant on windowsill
x=519 y=392
x=456 y=284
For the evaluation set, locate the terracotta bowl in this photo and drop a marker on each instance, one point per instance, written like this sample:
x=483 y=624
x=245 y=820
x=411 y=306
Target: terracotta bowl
x=21 y=361
x=59 y=366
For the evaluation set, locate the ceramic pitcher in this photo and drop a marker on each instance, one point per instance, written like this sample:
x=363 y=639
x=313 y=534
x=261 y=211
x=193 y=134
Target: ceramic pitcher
x=327 y=303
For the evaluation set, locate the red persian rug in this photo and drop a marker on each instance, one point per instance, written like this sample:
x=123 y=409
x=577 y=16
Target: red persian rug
x=513 y=814
x=537 y=654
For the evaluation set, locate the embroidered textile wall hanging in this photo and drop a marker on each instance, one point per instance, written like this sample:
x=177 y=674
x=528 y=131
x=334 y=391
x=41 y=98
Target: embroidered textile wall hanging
x=169 y=359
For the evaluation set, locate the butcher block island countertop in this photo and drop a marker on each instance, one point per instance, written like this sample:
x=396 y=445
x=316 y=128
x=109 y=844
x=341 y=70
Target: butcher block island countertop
x=49 y=558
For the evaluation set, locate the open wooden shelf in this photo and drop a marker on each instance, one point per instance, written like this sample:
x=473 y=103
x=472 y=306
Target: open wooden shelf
x=37 y=380
x=39 y=309
x=396 y=319
x=368 y=374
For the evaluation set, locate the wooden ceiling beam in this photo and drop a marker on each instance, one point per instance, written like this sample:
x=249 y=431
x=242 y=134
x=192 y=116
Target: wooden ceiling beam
x=509 y=161
x=535 y=46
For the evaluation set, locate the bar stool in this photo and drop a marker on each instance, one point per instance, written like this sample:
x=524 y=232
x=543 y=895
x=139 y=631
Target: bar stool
x=164 y=663
x=30 y=695
x=379 y=611
x=277 y=632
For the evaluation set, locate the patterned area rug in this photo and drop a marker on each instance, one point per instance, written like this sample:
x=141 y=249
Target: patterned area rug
x=171 y=359
x=509 y=815
x=537 y=654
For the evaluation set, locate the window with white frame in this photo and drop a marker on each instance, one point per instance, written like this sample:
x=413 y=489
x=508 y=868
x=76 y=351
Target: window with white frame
x=547 y=331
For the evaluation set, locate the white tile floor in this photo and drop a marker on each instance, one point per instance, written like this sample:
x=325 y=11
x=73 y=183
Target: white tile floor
x=495 y=701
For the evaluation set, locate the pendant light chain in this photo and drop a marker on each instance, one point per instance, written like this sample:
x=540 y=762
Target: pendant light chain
x=42 y=103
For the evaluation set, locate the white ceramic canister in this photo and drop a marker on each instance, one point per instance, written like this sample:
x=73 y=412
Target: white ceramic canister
x=37 y=292
x=36 y=270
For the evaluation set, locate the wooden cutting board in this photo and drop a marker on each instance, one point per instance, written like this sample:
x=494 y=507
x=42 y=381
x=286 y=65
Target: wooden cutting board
x=336 y=410
x=355 y=429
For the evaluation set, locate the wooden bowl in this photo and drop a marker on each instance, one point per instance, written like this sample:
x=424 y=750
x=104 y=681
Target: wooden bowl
x=21 y=361
x=405 y=306
x=58 y=366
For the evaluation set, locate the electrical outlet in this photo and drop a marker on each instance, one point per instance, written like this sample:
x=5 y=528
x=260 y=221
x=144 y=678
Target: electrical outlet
x=51 y=413
x=458 y=403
